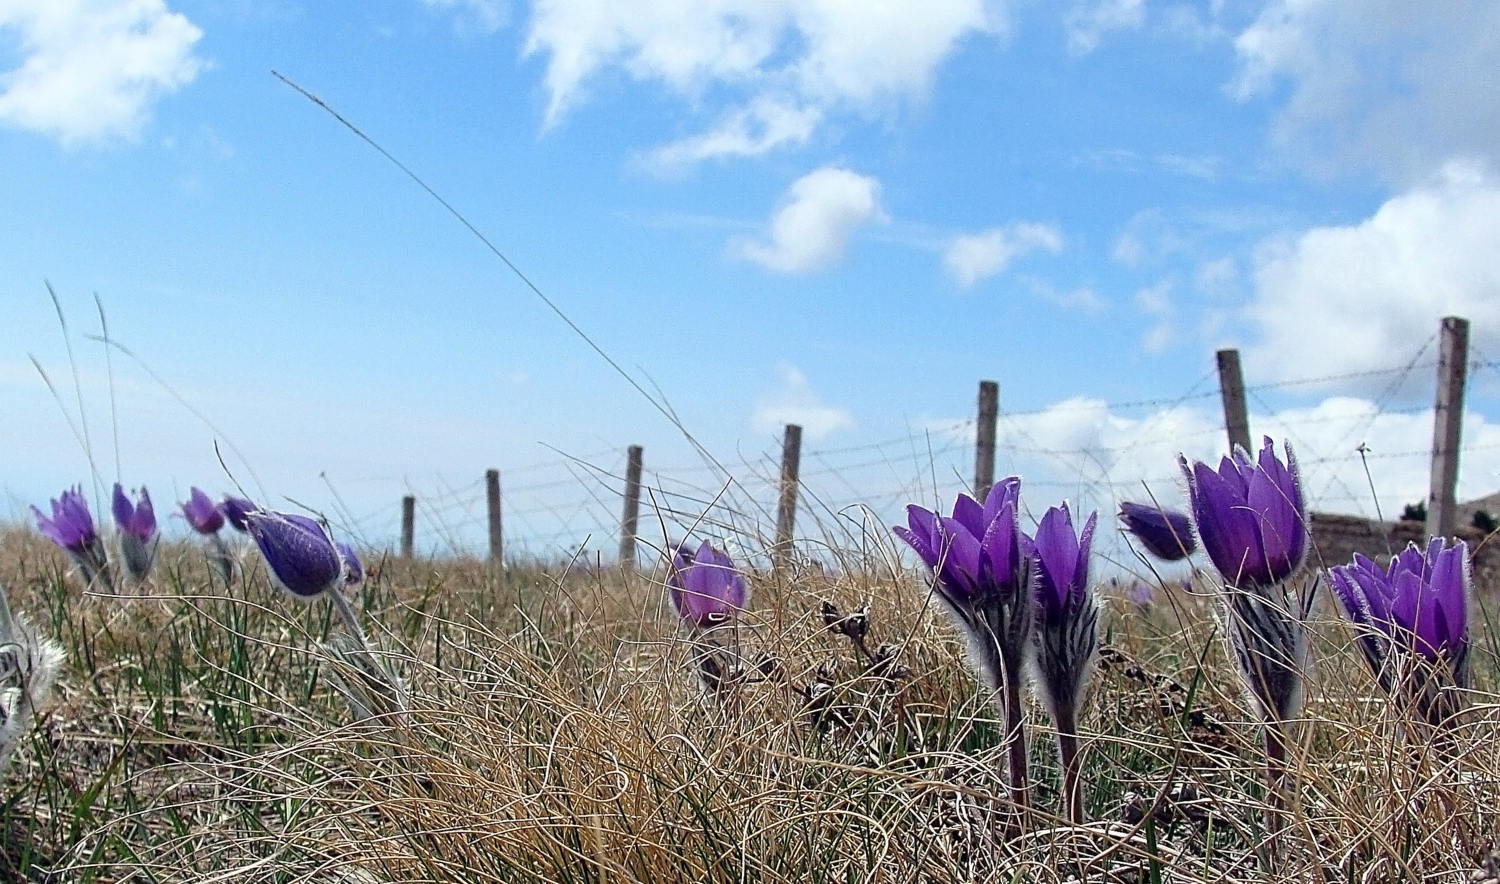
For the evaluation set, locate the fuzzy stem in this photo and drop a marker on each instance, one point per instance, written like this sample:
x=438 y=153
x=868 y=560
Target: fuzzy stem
x=1072 y=766
x=222 y=559
x=1276 y=768
x=336 y=595
x=1015 y=741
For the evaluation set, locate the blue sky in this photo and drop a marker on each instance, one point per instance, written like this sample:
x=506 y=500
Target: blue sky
x=843 y=214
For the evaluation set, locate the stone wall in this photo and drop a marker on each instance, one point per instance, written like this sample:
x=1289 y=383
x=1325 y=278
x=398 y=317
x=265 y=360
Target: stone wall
x=1336 y=538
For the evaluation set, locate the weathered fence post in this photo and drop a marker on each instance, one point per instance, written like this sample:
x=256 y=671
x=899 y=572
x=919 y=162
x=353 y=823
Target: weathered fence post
x=786 y=507
x=1232 y=390
x=1447 y=426
x=984 y=439
x=408 y=525
x=631 y=519
x=492 y=498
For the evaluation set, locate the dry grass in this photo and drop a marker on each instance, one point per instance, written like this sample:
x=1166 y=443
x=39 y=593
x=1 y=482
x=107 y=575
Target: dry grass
x=555 y=734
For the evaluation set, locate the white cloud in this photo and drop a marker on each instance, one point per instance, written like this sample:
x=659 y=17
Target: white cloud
x=1348 y=299
x=810 y=231
x=811 y=56
x=1096 y=455
x=1156 y=301
x=1218 y=278
x=91 y=69
x=794 y=402
x=1083 y=299
x=483 y=16
x=1398 y=85
x=1087 y=24
x=974 y=257
x=746 y=132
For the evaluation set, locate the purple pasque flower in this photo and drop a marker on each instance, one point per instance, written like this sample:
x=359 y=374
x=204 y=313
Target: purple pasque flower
x=1418 y=605
x=137 y=525
x=354 y=569
x=1062 y=562
x=1164 y=533
x=201 y=513
x=705 y=588
x=983 y=575
x=299 y=552
x=1250 y=515
x=72 y=528
x=72 y=525
x=235 y=509
x=1067 y=634
x=977 y=552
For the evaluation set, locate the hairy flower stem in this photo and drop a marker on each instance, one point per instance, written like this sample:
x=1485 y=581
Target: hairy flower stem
x=1276 y=770
x=221 y=558
x=1015 y=743
x=1072 y=765
x=341 y=604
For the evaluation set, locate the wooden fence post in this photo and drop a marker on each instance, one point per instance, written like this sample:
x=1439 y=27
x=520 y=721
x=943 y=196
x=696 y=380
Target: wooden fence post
x=631 y=519
x=984 y=439
x=497 y=537
x=1447 y=426
x=1232 y=390
x=786 y=506
x=408 y=525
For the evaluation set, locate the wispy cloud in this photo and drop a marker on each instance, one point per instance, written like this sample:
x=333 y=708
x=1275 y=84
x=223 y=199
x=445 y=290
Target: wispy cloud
x=971 y=258
x=770 y=70
x=794 y=402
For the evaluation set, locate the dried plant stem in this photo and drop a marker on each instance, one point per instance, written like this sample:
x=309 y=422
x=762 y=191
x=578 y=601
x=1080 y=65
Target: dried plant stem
x=1072 y=765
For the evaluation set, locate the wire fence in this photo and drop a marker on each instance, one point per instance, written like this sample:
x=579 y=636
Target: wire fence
x=1357 y=455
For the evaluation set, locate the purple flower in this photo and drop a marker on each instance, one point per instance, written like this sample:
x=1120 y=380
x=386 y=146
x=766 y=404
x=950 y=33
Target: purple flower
x=1067 y=636
x=982 y=574
x=299 y=552
x=201 y=513
x=1164 y=533
x=354 y=569
x=235 y=509
x=706 y=589
x=1062 y=575
x=1419 y=603
x=139 y=519
x=977 y=552
x=1250 y=516
x=137 y=524
x=71 y=526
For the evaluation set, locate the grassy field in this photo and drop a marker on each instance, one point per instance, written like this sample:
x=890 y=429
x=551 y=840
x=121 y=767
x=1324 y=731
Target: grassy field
x=555 y=733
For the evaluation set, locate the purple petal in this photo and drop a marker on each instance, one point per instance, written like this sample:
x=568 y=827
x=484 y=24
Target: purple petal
x=1225 y=524
x=236 y=509
x=123 y=511
x=201 y=514
x=1000 y=549
x=968 y=512
x=1057 y=557
x=354 y=569
x=298 y=552
x=1164 y=533
x=1449 y=581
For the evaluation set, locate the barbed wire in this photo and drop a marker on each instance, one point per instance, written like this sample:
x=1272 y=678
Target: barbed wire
x=843 y=487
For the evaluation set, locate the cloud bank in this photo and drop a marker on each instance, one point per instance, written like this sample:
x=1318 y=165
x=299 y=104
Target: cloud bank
x=770 y=69
x=1379 y=288
x=92 y=69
